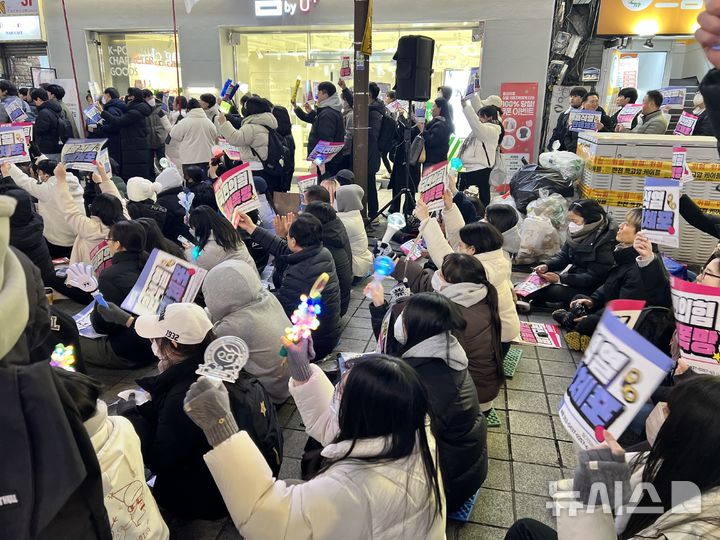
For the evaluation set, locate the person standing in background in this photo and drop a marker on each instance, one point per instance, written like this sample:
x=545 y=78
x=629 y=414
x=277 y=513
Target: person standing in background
x=576 y=99
x=114 y=106
x=703 y=125
x=653 y=120
x=626 y=96
x=57 y=93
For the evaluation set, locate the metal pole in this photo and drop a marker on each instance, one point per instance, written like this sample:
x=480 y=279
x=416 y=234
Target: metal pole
x=360 y=100
x=177 y=54
x=72 y=62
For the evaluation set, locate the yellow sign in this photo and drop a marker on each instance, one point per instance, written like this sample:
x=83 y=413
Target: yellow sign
x=366 y=46
x=648 y=17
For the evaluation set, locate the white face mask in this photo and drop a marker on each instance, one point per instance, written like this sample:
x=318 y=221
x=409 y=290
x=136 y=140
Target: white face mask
x=437 y=282
x=655 y=421
x=399 y=330
x=103 y=100
x=156 y=350
x=698 y=100
x=574 y=227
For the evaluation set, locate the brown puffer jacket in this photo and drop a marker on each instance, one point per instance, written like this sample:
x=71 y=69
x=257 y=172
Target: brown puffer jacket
x=480 y=340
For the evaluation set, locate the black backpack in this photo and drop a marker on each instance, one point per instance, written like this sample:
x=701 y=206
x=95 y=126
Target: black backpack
x=386 y=137
x=64 y=128
x=255 y=413
x=279 y=155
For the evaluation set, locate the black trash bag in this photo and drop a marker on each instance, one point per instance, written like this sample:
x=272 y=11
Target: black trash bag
x=526 y=184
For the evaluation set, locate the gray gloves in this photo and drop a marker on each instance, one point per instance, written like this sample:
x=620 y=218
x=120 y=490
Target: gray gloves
x=299 y=356
x=602 y=466
x=208 y=405
x=114 y=314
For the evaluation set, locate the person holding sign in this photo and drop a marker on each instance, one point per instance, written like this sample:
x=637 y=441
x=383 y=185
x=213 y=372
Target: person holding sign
x=682 y=492
x=626 y=96
x=381 y=479
x=590 y=102
x=653 y=121
x=301 y=259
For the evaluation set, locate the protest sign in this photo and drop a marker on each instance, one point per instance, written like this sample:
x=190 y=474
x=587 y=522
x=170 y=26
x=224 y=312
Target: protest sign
x=396 y=107
x=100 y=257
x=680 y=169
x=628 y=311
x=473 y=84
x=232 y=152
x=306 y=181
x=83 y=322
x=661 y=216
x=27 y=128
x=92 y=114
x=103 y=159
x=165 y=280
x=82 y=154
x=13 y=145
x=345 y=66
x=224 y=358
x=235 y=190
x=532 y=284
x=412 y=249
x=673 y=97
x=685 y=124
x=420 y=110
x=583 y=120
x=697 y=319
x=324 y=151
x=628 y=113
x=618 y=373
x=540 y=335
x=15 y=111
x=432 y=186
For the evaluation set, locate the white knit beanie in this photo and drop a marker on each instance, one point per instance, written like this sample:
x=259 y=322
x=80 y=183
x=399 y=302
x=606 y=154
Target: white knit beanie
x=140 y=189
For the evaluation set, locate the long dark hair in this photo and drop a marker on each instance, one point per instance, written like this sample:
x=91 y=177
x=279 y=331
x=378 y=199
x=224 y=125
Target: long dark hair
x=205 y=221
x=131 y=236
x=463 y=268
x=685 y=449
x=429 y=314
x=484 y=237
x=445 y=111
x=154 y=238
x=108 y=208
x=180 y=352
x=385 y=397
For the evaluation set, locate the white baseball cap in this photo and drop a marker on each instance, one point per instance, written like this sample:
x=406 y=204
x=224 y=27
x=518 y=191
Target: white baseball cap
x=183 y=323
x=492 y=100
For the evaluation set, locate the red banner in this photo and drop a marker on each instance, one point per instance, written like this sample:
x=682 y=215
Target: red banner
x=519 y=120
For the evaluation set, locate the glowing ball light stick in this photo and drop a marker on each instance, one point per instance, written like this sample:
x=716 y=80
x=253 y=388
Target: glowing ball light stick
x=456 y=164
x=305 y=317
x=63 y=357
x=383 y=266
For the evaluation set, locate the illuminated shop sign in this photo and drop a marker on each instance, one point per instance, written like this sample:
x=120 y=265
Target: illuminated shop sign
x=278 y=8
x=648 y=17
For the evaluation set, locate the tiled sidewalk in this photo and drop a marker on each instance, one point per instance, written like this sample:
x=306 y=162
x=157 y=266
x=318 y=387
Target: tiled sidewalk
x=527 y=451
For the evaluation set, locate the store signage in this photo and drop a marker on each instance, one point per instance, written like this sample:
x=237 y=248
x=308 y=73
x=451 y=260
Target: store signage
x=591 y=74
x=20 y=28
x=278 y=8
x=19 y=7
x=520 y=102
x=648 y=17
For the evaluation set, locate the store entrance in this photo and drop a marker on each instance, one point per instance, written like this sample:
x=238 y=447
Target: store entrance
x=269 y=62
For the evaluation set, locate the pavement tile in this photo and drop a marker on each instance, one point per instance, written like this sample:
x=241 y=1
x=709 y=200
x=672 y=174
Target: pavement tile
x=535 y=425
x=351 y=345
x=498 y=476
x=525 y=381
x=556 y=385
x=355 y=333
x=294 y=443
x=563 y=369
x=528 y=365
x=559 y=355
x=568 y=454
x=554 y=401
x=290 y=469
x=534 y=450
x=532 y=506
x=472 y=531
x=493 y=508
x=498 y=447
x=534 y=479
x=560 y=432
x=528 y=350
x=521 y=400
x=503 y=423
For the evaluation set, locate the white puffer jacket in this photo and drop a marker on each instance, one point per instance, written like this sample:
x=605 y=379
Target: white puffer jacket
x=194 y=136
x=474 y=156
x=131 y=507
x=352 y=500
x=57 y=229
x=362 y=259
x=252 y=134
x=497 y=266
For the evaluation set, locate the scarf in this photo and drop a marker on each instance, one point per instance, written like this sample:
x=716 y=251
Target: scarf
x=444 y=346
x=583 y=235
x=465 y=294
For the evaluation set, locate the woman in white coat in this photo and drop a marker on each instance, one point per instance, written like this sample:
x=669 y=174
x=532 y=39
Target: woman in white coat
x=348 y=200
x=195 y=135
x=380 y=482
x=479 y=148
x=131 y=507
x=485 y=243
x=680 y=499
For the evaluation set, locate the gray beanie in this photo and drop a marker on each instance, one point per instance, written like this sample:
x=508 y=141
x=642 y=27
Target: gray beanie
x=349 y=198
x=13 y=289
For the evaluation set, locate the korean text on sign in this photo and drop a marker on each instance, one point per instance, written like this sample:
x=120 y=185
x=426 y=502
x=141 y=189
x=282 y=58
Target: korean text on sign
x=582 y=120
x=165 y=280
x=685 y=124
x=235 y=190
x=660 y=221
x=617 y=375
x=82 y=154
x=325 y=150
x=13 y=145
x=697 y=318
x=432 y=186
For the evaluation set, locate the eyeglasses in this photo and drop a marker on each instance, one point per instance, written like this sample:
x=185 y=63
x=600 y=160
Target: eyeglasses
x=704 y=272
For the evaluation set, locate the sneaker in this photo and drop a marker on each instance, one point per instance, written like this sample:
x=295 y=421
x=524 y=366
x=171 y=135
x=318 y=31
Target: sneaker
x=522 y=306
x=564 y=318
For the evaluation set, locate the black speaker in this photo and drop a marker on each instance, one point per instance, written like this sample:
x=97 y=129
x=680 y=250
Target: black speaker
x=414 y=57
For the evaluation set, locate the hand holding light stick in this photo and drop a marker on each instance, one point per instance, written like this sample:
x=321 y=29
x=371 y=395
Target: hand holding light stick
x=383 y=266
x=305 y=317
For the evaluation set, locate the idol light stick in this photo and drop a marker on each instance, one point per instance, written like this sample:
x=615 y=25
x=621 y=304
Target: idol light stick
x=383 y=266
x=305 y=317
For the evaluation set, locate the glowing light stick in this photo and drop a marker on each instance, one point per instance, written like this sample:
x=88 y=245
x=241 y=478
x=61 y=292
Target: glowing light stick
x=293 y=96
x=456 y=164
x=305 y=317
x=63 y=357
x=383 y=266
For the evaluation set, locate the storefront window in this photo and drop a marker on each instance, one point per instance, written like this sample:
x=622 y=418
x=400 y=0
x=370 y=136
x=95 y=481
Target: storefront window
x=143 y=60
x=270 y=62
